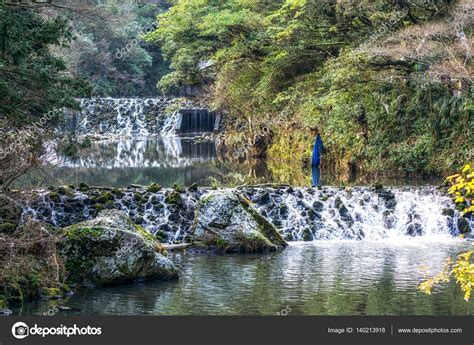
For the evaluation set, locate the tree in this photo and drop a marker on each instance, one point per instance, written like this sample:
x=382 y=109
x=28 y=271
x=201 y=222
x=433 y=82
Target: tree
x=34 y=87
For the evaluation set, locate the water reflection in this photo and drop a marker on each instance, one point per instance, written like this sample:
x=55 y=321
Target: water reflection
x=315 y=175
x=146 y=153
x=175 y=160
x=324 y=278
x=119 y=163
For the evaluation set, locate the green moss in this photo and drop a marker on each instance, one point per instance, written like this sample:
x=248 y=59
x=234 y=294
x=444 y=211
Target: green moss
x=51 y=292
x=255 y=242
x=324 y=198
x=83 y=187
x=377 y=186
x=124 y=269
x=178 y=188
x=154 y=188
x=138 y=198
x=144 y=233
x=98 y=208
x=77 y=233
x=264 y=227
x=65 y=288
x=54 y=197
x=118 y=193
x=77 y=250
x=193 y=187
x=65 y=190
x=104 y=197
x=161 y=236
x=173 y=198
x=222 y=244
x=463 y=226
x=7 y=227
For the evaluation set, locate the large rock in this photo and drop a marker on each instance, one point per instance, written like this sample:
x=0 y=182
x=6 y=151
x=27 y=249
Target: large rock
x=226 y=220
x=111 y=249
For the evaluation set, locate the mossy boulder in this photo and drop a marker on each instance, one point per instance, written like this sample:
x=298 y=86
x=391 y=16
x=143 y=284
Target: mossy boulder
x=54 y=197
x=65 y=190
x=226 y=220
x=463 y=226
x=193 y=188
x=111 y=249
x=448 y=212
x=105 y=197
x=173 y=198
x=83 y=187
x=154 y=188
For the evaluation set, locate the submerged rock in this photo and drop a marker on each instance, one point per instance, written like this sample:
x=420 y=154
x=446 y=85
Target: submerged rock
x=415 y=229
x=307 y=235
x=264 y=199
x=343 y=211
x=448 y=212
x=463 y=226
x=318 y=206
x=111 y=249
x=226 y=220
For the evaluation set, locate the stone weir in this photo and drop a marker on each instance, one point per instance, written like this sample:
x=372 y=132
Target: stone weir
x=298 y=213
x=138 y=117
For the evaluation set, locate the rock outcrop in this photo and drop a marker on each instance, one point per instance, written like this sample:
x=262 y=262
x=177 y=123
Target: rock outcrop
x=111 y=249
x=229 y=222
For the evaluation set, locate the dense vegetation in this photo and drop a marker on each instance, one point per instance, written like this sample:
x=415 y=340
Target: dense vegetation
x=387 y=83
x=108 y=48
x=34 y=86
x=52 y=52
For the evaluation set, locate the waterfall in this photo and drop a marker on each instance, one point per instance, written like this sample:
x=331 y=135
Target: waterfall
x=358 y=213
x=140 y=117
x=300 y=214
x=171 y=125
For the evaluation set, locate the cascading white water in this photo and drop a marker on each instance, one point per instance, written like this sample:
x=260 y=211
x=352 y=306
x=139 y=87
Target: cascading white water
x=139 y=117
x=300 y=214
x=171 y=124
x=125 y=117
x=308 y=214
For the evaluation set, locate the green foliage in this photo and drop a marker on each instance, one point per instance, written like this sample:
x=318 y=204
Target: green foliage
x=32 y=79
x=461 y=188
x=462 y=270
x=314 y=63
x=110 y=51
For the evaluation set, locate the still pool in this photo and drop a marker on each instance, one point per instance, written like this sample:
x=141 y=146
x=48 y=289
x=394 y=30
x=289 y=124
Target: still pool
x=317 y=278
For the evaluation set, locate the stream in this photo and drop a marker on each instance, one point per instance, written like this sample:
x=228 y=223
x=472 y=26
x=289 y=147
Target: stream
x=364 y=252
x=320 y=278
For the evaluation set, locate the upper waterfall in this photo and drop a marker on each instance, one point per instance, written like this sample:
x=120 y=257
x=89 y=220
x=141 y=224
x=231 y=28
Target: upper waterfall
x=140 y=117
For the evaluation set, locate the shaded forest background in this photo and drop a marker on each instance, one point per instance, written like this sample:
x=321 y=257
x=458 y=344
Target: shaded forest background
x=388 y=84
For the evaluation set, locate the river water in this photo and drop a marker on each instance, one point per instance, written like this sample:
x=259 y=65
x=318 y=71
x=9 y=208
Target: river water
x=378 y=275
x=121 y=162
x=318 y=278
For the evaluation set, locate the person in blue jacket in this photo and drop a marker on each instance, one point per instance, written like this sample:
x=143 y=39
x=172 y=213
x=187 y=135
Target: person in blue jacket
x=318 y=150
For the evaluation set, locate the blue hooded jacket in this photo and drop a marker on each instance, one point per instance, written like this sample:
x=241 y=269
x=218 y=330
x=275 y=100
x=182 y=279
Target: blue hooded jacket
x=317 y=151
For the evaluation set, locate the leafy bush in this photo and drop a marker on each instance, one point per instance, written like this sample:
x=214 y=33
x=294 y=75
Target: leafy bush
x=461 y=188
